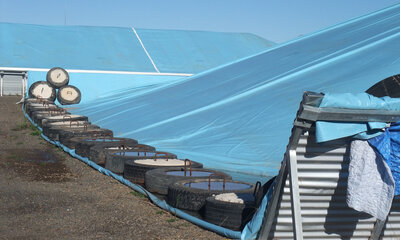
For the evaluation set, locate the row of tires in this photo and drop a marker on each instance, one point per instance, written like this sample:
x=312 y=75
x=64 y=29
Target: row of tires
x=56 y=86
x=183 y=183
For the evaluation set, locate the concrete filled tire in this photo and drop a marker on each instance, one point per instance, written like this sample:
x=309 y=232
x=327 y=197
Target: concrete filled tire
x=57 y=77
x=98 y=153
x=68 y=95
x=51 y=108
x=28 y=101
x=135 y=170
x=62 y=118
x=158 y=180
x=32 y=104
x=66 y=124
x=49 y=111
x=115 y=161
x=38 y=116
x=65 y=135
x=42 y=90
x=185 y=195
x=53 y=131
x=232 y=215
x=83 y=145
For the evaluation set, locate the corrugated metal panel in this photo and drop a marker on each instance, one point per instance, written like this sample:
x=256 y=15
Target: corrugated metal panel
x=12 y=85
x=323 y=172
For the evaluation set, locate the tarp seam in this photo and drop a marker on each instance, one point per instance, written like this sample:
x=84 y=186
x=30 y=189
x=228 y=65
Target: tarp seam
x=148 y=55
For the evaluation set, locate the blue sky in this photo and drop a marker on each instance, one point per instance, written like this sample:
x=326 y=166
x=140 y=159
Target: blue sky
x=275 y=20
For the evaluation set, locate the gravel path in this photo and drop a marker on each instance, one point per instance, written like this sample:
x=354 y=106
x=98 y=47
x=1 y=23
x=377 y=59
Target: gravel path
x=46 y=194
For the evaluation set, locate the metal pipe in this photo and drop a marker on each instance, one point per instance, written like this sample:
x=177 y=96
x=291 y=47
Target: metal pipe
x=67 y=116
x=25 y=84
x=70 y=123
x=257 y=188
x=110 y=135
x=190 y=166
x=158 y=153
x=141 y=147
x=93 y=135
x=216 y=174
x=1 y=83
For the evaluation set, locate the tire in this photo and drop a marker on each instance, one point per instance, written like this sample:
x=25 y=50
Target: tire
x=98 y=153
x=31 y=105
x=227 y=214
x=57 y=77
x=136 y=172
x=39 y=107
x=43 y=90
x=116 y=162
x=53 y=132
x=62 y=118
x=65 y=135
x=387 y=87
x=183 y=197
x=157 y=180
x=46 y=113
x=50 y=110
x=83 y=146
x=38 y=116
x=68 y=95
x=28 y=101
x=66 y=124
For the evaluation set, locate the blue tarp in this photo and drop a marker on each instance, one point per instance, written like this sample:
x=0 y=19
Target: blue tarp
x=326 y=131
x=238 y=116
x=119 y=49
x=388 y=146
x=359 y=101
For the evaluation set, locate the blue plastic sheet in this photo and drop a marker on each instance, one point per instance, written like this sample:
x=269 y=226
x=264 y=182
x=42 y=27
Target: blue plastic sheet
x=326 y=131
x=238 y=116
x=388 y=146
x=119 y=49
x=359 y=101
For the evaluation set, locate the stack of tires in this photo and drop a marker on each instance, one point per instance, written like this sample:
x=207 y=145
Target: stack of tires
x=56 y=86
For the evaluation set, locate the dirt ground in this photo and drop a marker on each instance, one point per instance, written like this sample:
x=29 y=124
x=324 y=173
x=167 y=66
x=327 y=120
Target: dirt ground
x=46 y=194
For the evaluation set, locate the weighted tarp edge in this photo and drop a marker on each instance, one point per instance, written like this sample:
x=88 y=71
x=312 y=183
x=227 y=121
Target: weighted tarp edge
x=160 y=203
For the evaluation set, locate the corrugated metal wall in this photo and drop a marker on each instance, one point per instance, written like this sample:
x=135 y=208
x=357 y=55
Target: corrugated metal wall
x=12 y=83
x=323 y=172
